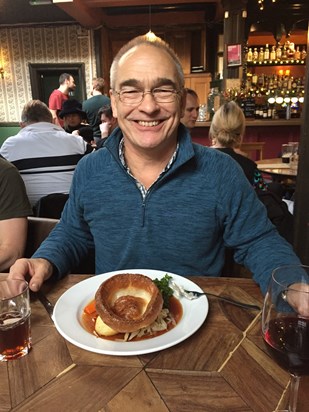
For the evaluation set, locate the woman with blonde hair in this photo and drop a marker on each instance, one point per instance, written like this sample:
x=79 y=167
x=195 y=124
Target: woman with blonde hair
x=226 y=134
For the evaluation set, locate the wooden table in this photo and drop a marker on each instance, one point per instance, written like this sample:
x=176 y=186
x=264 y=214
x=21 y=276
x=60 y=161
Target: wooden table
x=223 y=367
x=276 y=167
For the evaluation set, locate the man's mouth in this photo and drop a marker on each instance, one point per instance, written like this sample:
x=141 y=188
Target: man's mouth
x=148 y=124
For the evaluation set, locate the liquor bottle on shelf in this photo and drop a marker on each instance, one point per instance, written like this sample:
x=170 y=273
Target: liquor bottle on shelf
x=278 y=52
x=255 y=54
x=297 y=54
x=261 y=54
x=284 y=55
x=266 y=53
x=273 y=53
x=304 y=53
x=250 y=55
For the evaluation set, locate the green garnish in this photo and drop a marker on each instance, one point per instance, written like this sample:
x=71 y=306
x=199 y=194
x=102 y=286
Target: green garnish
x=166 y=291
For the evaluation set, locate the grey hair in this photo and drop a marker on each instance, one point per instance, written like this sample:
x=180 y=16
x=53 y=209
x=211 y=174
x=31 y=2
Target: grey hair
x=144 y=40
x=228 y=125
x=36 y=111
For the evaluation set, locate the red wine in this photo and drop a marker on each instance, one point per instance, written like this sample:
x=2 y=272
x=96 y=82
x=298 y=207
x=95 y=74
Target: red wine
x=287 y=340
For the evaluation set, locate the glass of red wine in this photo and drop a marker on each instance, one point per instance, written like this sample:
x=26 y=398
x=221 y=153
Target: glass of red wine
x=285 y=323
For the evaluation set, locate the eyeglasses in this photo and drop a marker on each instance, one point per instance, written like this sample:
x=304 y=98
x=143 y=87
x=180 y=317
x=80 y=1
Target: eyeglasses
x=135 y=96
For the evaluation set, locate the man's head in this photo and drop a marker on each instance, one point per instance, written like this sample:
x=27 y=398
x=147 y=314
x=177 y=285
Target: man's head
x=227 y=126
x=191 y=110
x=98 y=85
x=147 y=92
x=72 y=113
x=35 y=111
x=105 y=114
x=66 y=82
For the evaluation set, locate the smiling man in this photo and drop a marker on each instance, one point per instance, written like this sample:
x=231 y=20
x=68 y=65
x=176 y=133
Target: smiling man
x=158 y=201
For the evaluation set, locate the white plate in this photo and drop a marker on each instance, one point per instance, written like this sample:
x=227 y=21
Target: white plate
x=69 y=308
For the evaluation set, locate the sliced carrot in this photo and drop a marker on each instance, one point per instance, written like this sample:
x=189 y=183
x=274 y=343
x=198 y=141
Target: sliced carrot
x=90 y=308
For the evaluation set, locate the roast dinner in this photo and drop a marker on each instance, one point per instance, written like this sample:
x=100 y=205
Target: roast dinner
x=132 y=306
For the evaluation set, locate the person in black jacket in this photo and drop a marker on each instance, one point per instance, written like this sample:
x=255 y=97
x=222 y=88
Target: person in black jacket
x=226 y=133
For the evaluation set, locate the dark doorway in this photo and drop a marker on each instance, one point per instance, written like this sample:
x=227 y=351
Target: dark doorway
x=44 y=78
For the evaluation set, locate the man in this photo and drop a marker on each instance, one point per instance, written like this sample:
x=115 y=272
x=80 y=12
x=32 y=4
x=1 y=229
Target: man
x=158 y=200
x=107 y=125
x=44 y=153
x=60 y=95
x=191 y=109
x=92 y=105
x=14 y=209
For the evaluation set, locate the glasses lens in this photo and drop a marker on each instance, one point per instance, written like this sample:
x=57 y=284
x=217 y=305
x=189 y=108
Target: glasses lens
x=164 y=95
x=131 y=96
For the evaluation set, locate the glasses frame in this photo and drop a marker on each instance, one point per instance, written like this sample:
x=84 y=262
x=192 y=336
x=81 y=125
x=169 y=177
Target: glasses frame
x=175 y=93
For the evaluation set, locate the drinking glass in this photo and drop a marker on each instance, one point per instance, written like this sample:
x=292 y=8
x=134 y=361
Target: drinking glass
x=285 y=323
x=15 y=339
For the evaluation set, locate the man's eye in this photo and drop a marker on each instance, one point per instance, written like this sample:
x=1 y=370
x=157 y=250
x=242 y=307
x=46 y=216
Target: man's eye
x=130 y=92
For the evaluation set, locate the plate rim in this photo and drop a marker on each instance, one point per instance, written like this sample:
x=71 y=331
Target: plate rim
x=74 y=313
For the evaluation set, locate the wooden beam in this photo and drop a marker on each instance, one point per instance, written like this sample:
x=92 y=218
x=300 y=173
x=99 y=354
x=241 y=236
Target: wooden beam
x=131 y=3
x=84 y=15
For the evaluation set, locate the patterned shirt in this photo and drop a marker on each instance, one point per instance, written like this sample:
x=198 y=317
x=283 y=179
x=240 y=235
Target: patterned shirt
x=139 y=185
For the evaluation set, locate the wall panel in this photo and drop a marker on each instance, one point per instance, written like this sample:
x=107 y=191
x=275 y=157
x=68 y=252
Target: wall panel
x=20 y=46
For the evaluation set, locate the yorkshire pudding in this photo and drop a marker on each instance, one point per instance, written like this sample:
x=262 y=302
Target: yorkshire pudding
x=128 y=302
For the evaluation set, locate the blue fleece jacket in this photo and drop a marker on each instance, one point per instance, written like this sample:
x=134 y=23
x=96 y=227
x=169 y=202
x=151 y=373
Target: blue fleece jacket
x=200 y=205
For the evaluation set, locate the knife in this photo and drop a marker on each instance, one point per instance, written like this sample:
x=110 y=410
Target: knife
x=45 y=302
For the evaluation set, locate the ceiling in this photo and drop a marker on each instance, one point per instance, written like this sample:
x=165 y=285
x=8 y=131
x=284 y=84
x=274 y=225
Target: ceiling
x=133 y=13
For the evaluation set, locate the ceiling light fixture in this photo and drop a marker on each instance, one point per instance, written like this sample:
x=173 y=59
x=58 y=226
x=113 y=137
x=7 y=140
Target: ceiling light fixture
x=150 y=34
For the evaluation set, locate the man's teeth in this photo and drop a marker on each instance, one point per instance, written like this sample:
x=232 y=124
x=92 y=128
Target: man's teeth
x=148 y=124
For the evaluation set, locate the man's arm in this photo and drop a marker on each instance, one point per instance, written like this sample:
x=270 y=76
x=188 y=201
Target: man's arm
x=55 y=117
x=13 y=237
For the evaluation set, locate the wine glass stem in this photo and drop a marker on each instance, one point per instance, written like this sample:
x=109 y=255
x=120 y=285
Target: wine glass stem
x=293 y=392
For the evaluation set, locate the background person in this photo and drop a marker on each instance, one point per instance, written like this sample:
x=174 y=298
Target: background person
x=158 y=200
x=14 y=209
x=226 y=133
x=191 y=111
x=92 y=105
x=107 y=125
x=44 y=154
x=60 y=95
x=72 y=115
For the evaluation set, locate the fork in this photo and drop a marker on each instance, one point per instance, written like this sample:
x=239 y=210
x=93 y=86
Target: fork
x=192 y=294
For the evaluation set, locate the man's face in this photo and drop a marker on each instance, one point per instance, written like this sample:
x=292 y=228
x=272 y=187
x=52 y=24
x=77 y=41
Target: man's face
x=71 y=84
x=72 y=119
x=109 y=122
x=191 y=111
x=147 y=125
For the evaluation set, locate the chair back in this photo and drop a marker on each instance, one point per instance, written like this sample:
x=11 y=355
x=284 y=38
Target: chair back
x=38 y=230
x=51 y=205
x=253 y=150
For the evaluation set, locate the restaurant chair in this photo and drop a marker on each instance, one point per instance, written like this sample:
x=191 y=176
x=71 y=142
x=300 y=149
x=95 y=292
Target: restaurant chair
x=50 y=206
x=253 y=150
x=38 y=230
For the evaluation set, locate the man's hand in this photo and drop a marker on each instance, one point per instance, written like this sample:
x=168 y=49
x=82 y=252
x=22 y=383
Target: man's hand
x=38 y=270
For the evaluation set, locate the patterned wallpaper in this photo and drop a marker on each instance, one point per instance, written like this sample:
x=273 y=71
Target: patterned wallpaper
x=20 y=46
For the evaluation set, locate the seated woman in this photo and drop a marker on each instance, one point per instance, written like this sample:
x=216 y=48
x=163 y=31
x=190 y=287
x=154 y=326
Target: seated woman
x=226 y=133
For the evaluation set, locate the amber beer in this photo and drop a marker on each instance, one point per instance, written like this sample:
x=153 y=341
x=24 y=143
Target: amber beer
x=15 y=340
